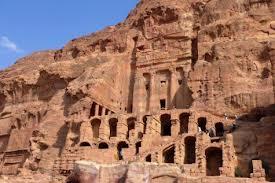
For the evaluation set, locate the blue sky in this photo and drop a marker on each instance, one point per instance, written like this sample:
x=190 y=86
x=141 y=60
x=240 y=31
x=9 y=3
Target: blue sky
x=32 y=25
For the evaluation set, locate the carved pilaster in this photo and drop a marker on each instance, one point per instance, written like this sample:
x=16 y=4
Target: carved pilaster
x=175 y=127
x=138 y=100
x=104 y=129
x=173 y=88
x=153 y=93
x=96 y=109
x=122 y=127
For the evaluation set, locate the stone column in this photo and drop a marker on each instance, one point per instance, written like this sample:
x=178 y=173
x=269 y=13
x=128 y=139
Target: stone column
x=173 y=88
x=192 y=124
x=104 y=111
x=178 y=154
x=122 y=127
x=153 y=93
x=138 y=101
x=103 y=129
x=175 y=127
x=96 y=109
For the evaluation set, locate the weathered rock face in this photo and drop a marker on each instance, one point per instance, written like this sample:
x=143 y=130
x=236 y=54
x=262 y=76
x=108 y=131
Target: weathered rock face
x=189 y=63
x=86 y=172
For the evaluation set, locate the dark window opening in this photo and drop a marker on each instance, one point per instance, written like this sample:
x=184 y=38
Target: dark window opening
x=103 y=145
x=162 y=83
x=130 y=110
x=147 y=86
x=113 y=127
x=169 y=155
x=18 y=124
x=85 y=144
x=180 y=82
x=208 y=57
x=202 y=123
x=95 y=126
x=148 y=158
x=165 y=125
x=213 y=140
x=141 y=48
x=163 y=104
x=219 y=129
x=190 y=150
x=92 y=112
x=131 y=126
x=100 y=110
x=184 y=120
x=195 y=51
x=138 y=146
x=121 y=145
x=213 y=161
x=106 y=111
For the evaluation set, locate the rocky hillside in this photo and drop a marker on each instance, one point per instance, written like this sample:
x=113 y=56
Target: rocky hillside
x=230 y=53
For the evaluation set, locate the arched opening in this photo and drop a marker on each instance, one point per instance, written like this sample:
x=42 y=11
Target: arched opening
x=113 y=127
x=190 y=150
x=85 y=144
x=148 y=158
x=95 y=126
x=138 y=146
x=184 y=120
x=131 y=126
x=202 y=123
x=169 y=155
x=219 y=129
x=103 y=145
x=120 y=146
x=213 y=161
x=166 y=125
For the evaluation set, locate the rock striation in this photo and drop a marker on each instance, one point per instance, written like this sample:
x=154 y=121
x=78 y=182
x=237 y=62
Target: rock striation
x=189 y=83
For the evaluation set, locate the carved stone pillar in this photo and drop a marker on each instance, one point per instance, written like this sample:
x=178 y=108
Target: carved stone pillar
x=103 y=111
x=138 y=100
x=96 y=109
x=175 y=127
x=178 y=154
x=153 y=93
x=104 y=129
x=122 y=127
x=173 y=88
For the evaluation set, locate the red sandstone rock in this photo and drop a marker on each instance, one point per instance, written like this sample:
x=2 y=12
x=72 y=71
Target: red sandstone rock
x=148 y=89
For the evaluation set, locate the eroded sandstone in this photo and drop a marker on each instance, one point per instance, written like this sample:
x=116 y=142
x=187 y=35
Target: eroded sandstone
x=187 y=83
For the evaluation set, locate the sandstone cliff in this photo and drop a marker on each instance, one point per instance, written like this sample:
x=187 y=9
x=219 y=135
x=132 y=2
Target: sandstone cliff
x=226 y=50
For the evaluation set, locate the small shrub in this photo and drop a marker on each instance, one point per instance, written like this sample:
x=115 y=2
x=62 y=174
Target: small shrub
x=238 y=172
